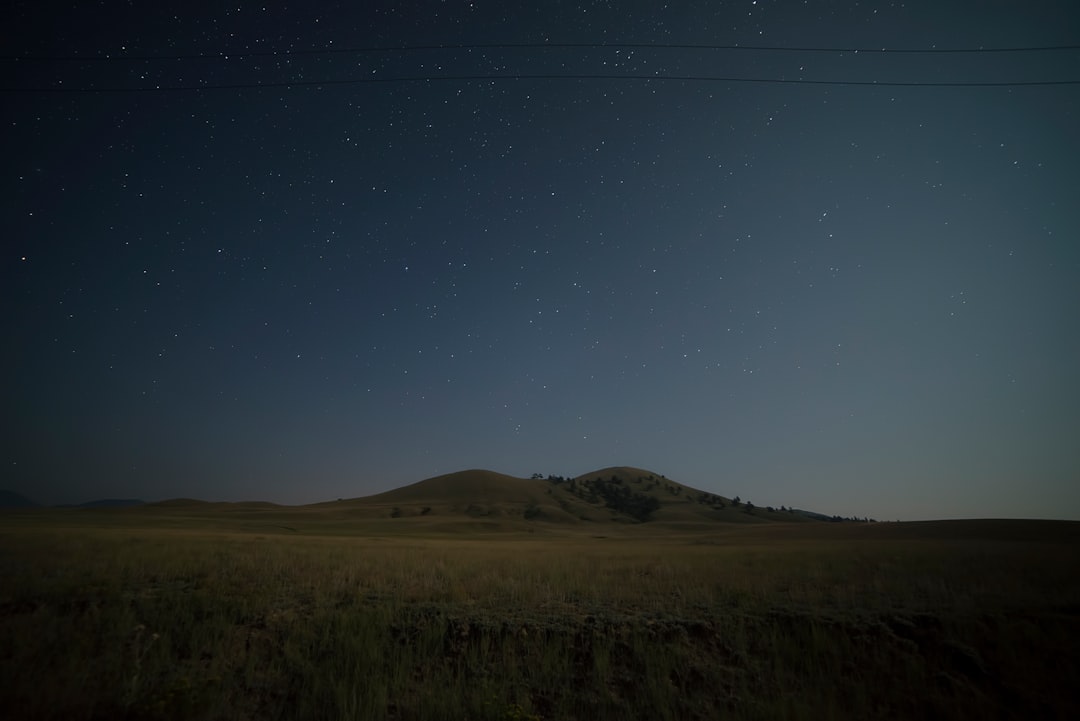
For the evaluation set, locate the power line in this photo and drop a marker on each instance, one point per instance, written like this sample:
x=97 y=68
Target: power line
x=539 y=76
x=528 y=46
x=536 y=46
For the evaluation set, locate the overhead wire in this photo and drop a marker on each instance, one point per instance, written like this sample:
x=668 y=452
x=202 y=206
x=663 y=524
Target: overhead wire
x=539 y=76
x=538 y=46
x=328 y=82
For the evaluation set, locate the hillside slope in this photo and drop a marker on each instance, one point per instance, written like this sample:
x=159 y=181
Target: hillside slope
x=11 y=499
x=673 y=502
x=618 y=494
x=477 y=494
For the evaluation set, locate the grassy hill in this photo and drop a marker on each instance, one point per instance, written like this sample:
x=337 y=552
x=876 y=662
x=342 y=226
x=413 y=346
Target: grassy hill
x=617 y=495
x=479 y=495
x=676 y=502
x=609 y=501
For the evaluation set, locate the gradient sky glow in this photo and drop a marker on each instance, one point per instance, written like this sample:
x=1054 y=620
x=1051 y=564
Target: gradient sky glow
x=854 y=299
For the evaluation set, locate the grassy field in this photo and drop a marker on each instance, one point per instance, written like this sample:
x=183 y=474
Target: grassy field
x=160 y=615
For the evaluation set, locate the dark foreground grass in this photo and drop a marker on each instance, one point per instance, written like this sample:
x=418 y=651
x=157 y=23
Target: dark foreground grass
x=128 y=623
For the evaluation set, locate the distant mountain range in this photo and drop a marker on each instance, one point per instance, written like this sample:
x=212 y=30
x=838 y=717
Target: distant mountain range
x=108 y=503
x=11 y=499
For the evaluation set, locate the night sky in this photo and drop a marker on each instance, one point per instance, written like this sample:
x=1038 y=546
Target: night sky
x=389 y=264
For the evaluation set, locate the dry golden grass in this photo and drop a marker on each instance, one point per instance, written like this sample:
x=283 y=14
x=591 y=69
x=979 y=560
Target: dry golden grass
x=282 y=613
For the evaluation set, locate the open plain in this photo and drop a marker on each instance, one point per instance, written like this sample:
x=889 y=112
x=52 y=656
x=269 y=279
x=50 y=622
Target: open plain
x=188 y=610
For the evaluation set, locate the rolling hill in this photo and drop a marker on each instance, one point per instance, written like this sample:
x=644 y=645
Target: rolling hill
x=619 y=494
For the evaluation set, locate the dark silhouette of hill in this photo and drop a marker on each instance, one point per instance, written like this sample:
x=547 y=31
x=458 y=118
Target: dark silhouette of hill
x=198 y=505
x=107 y=503
x=11 y=499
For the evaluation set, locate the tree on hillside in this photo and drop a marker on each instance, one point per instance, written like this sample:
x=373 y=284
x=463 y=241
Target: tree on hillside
x=617 y=496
